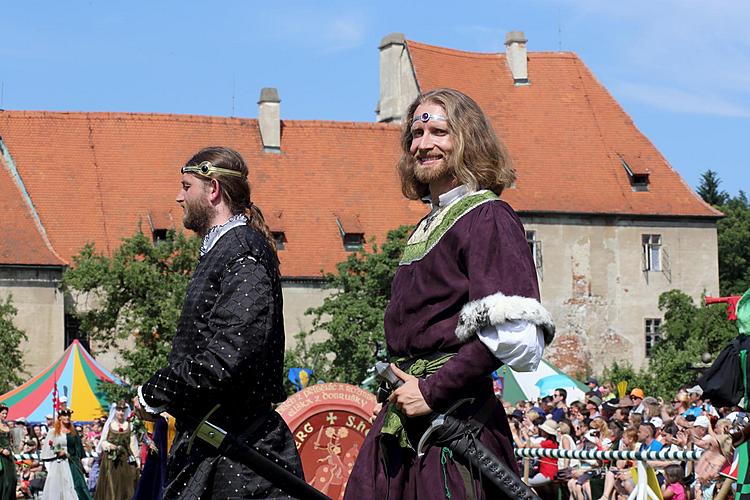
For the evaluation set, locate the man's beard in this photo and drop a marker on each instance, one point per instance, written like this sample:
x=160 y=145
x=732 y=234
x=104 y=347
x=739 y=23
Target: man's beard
x=427 y=175
x=197 y=217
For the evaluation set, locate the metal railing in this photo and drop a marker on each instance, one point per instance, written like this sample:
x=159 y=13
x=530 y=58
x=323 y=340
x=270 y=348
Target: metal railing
x=642 y=491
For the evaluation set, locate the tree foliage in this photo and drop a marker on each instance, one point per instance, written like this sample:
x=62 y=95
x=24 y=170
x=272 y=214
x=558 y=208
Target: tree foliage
x=352 y=316
x=11 y=356
x=734 y=246
x=733 y=234
x=688 y=331
x=131 y=302
x=708 y=189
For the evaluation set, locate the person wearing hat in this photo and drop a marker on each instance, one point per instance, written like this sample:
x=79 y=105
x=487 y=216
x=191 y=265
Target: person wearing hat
x=62 y=451
x=636 y=395
x=547 y=466
x=700 y=433
x=592 y=405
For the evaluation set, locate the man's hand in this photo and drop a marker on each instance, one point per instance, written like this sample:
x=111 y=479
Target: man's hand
x=141 y=413
x=408 y=398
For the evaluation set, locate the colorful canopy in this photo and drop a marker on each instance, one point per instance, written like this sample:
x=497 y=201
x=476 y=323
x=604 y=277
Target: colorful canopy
x=529 y=386
x=76 y=376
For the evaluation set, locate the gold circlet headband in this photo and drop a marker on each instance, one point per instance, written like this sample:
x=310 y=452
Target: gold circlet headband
x=206 y=169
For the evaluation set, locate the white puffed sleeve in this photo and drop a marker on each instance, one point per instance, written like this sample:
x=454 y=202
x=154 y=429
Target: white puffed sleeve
x=517 y=343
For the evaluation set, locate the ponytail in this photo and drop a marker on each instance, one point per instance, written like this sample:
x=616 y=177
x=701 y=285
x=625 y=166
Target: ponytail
x=256 y=220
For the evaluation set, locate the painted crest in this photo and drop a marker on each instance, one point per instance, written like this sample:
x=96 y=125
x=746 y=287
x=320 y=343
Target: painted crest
x=329 y=423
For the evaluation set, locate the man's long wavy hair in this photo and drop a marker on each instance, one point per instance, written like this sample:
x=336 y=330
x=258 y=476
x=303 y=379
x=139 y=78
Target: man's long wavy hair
x=478 y=160
x=235 y=191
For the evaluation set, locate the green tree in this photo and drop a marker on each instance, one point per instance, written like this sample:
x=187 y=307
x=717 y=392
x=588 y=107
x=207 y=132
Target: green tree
x=734 y=246
x=11 y=357
x=351 y=318
x=687 y=332
x=133 y=299
x=620 y=372
x=708 y=189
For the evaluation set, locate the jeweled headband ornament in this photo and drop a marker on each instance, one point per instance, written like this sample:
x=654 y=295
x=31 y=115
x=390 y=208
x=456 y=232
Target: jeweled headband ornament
x=425 y=117
x=65 y=412
x=205 y=169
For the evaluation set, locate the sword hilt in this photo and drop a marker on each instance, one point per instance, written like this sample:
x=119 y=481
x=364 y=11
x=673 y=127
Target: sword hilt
x=385 y=373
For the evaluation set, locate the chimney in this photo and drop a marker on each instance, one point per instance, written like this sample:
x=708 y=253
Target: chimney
x=515 y=53
x=398 y=84
x=269 y=119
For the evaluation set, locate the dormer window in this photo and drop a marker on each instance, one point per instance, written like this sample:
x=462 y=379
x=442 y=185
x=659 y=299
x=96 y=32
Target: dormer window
x=279 y=237
x=160 y=222
x=352 y=234
x=637 y=173
x=277 y=227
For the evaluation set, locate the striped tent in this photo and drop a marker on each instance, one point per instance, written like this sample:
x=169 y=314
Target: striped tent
x=76 y=376
x=528 y=386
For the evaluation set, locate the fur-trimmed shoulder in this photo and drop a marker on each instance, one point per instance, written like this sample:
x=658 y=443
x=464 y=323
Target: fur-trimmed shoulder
x=498 y=308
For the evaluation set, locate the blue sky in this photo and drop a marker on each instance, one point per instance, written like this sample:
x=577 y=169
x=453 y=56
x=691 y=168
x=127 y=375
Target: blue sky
x=680 y=68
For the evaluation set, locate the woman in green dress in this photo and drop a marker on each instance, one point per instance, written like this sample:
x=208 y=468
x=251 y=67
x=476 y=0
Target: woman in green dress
x=118 y=472
x=7 y=463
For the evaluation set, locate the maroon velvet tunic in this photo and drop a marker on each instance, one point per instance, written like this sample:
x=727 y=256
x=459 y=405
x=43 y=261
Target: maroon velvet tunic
x=483 y=253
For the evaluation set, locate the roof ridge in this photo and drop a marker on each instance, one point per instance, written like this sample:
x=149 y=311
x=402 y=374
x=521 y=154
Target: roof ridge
x=189 y=118
x=136 y=116
x=446 y=50
x=340 y=124
x=566 y=54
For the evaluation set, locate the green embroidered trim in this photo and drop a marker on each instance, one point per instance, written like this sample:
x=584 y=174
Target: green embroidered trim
x=423 y=240
x=445 y=454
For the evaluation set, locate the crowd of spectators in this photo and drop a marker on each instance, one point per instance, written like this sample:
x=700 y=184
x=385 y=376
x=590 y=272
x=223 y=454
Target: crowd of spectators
x=28 y=441
x=637 y=422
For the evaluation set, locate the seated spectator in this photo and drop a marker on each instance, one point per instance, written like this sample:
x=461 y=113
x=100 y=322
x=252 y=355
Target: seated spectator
x=619 y=478
x=636 y=395
x=607 y=391
x=672 y=489
x=560 y=410
x=579 y=486
x=547 y=466
x=646 y=436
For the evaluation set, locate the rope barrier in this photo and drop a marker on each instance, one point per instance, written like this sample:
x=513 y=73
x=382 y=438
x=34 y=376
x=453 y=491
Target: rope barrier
x=37 y=456
x=645 y=456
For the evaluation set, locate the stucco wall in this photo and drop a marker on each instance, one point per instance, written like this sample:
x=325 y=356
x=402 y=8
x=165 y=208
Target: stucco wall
x=39 y=301
x=592 y=281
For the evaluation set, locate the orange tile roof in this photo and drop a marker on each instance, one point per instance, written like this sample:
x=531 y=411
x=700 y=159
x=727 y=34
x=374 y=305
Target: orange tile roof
x=22 y=242
x=98 y=176
x=565 y=133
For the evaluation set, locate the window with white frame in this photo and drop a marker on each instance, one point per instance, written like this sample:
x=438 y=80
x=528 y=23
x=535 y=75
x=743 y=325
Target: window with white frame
x=653 y=333
x=651 y=252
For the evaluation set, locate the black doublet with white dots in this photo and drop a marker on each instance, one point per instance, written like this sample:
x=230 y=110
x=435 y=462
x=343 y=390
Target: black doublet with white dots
x=228 y=350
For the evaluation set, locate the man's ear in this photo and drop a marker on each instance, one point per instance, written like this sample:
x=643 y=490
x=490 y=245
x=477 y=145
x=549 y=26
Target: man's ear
x=214 y=191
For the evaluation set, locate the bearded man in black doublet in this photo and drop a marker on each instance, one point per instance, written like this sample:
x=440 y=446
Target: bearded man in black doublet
x=229 y=345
